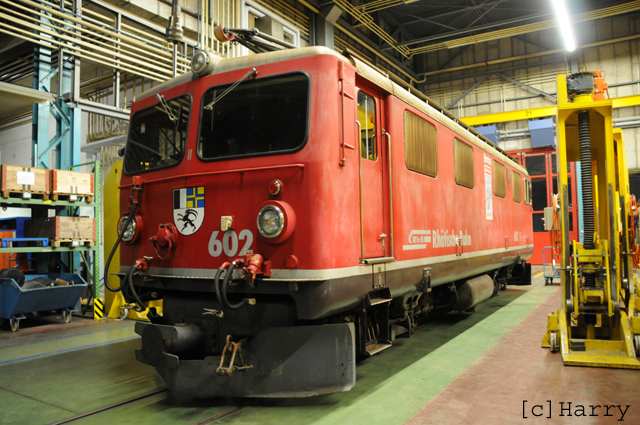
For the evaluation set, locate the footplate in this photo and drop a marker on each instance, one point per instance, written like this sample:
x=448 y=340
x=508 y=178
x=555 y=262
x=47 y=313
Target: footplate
x=297 y=361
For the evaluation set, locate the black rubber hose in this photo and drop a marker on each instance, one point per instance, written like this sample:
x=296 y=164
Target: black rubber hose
x=113 y=251
x=216 y=285
x=584 y=133
x=134 y=294
x=225 y=284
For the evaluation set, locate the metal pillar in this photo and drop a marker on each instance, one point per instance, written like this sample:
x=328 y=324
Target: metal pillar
x=41 y=114
x=324 y=22
x=65 y=144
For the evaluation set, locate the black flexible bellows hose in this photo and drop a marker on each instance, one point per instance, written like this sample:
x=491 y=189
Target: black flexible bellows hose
x=584 y=131
x=132 y=211
x=225 y=285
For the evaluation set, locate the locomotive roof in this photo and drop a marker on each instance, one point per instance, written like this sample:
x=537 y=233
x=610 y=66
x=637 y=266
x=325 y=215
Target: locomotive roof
x=387 y=82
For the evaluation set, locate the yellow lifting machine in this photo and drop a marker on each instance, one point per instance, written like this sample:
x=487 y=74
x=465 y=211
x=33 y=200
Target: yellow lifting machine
x=598 y=322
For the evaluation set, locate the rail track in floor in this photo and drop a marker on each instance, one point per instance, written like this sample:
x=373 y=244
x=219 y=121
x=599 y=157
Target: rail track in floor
x=95 y=414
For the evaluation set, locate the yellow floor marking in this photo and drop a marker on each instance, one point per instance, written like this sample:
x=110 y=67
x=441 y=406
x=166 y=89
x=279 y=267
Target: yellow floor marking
x=539 y=274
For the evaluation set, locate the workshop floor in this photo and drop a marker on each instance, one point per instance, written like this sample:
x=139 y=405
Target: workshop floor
x=485 y=367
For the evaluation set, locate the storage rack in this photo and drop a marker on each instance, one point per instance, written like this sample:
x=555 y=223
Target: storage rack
x=93 y=274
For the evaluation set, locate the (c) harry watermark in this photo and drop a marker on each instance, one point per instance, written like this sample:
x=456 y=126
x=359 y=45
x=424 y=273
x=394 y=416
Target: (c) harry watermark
x=548 y=409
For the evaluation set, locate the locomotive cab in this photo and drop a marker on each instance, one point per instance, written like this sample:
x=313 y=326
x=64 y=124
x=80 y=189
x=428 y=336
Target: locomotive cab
x=269 y=200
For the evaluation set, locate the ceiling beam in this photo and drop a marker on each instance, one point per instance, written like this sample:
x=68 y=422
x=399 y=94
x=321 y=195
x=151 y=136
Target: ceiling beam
x=591 y=15
x=354 y=33
x=453 y=12
x=538 y=45
x=528 y=87
x=467 y=30
x=482 y=16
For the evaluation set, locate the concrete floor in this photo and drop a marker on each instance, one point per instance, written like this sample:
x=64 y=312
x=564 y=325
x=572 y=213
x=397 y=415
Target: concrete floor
x=464 y=368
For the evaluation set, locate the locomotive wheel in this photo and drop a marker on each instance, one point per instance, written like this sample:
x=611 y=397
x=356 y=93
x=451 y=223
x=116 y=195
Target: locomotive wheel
x=1 y=322
x=553 y=342
x=66 y=315
x=15 y=324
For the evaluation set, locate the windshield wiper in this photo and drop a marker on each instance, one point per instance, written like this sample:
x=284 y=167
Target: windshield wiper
x=249 y=74
x=166 y=108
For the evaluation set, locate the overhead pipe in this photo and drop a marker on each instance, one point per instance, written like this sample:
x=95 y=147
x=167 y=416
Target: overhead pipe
x=77 y=28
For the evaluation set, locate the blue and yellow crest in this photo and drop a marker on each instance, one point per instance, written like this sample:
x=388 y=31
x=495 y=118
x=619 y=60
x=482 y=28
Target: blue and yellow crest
x=188 y=209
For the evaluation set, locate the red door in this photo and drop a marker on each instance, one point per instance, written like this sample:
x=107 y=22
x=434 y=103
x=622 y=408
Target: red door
x=374 y=238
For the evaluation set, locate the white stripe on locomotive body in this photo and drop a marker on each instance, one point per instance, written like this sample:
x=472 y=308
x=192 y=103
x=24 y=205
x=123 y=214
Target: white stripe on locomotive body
x=339 y=273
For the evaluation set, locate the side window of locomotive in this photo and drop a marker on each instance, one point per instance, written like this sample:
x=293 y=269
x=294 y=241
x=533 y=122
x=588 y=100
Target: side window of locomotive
x=420 y=145
x=263 y=116
x=527 y=192
x=158 y=135
x=499 y=180
x=367 y=126
x=517 y=187
x=463 y=164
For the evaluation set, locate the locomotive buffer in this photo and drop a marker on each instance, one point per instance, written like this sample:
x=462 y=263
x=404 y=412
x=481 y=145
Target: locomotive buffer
x=598 y=322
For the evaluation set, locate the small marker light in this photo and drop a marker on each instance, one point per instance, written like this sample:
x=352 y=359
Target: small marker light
x=275 y=186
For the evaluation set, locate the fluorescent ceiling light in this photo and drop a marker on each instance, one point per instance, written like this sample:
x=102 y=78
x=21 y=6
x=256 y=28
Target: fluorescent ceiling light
x=565 y=24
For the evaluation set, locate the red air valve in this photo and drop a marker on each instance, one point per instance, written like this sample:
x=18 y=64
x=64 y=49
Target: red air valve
x=136 y=188
x=142 y=264
x=164 y=240
x=253 y=265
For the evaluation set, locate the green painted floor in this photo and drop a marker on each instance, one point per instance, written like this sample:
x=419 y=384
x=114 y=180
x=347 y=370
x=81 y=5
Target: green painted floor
x=45 y=382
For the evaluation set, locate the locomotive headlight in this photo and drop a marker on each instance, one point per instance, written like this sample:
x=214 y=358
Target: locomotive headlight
x=199 y=61
x=270 y=221
x=130 y=232
x=203 y=62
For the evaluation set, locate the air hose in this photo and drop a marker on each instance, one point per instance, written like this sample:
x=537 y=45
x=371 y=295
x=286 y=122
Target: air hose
x=216 y=284
x=129 y=279
x=113 y=250
x=225 y=285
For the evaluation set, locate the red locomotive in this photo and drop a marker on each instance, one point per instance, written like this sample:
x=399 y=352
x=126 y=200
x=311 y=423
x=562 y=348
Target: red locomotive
x=296 y=210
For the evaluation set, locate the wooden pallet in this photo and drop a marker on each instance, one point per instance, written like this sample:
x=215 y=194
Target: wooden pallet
x=67 y=197
x=18 y=194
x=70 y=242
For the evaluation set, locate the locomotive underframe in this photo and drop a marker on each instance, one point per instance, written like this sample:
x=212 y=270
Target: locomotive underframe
x=317 y=298
x=361 y=314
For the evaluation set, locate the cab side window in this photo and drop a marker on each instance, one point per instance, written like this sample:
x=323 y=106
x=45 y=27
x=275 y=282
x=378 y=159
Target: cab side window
x=367 y=126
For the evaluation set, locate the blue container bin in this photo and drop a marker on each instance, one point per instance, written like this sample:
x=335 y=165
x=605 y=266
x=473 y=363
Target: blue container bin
x=15 y=301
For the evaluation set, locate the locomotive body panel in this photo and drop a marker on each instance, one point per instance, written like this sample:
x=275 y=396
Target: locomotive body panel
x=312 y=185
x=325 y=196
x=358 y=229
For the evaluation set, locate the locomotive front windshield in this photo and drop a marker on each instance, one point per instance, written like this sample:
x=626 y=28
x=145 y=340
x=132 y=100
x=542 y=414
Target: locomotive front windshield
x=158 y=135
x=259 y=117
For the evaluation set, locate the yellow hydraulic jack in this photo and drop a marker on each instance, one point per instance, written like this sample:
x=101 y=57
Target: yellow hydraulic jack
x=598 y=322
